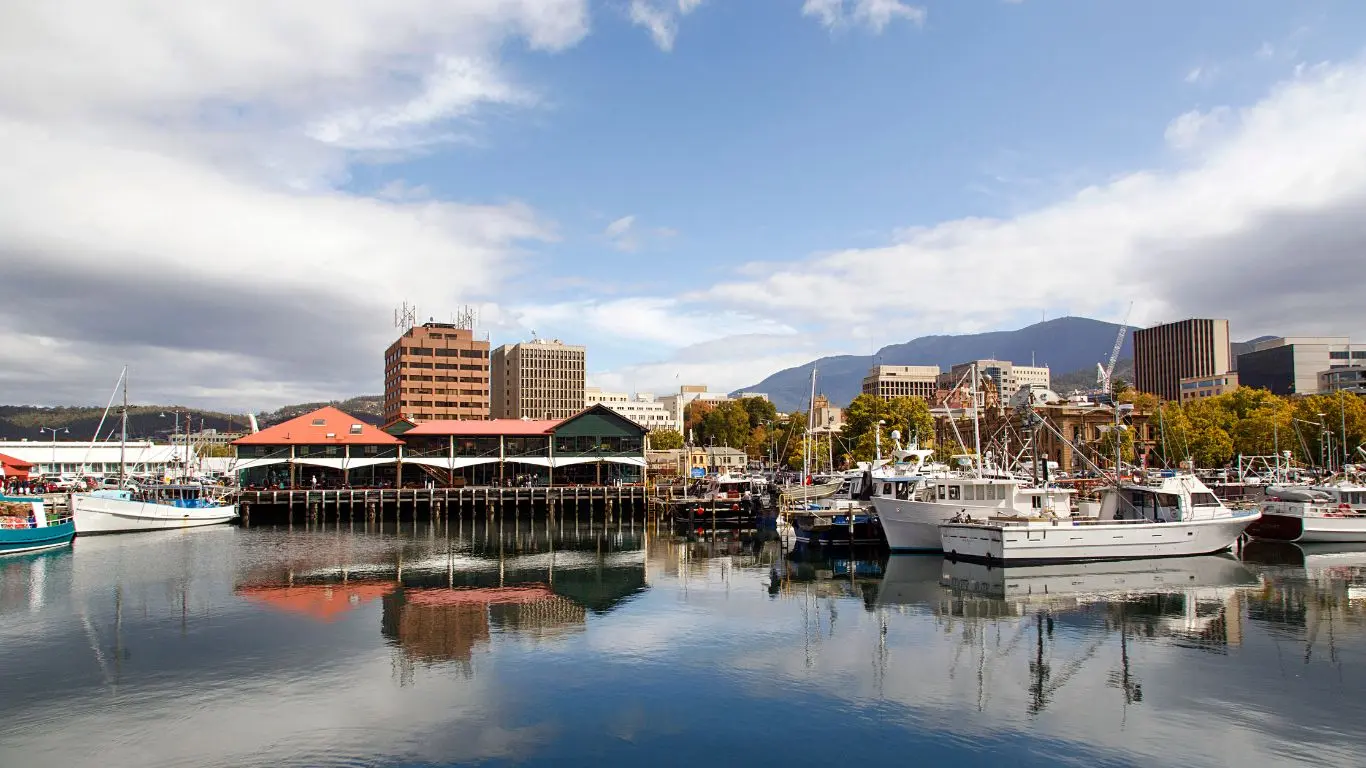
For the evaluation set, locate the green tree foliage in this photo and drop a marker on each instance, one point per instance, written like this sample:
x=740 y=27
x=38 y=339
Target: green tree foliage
x=1105 y=446
x=760 y=411
x=726 y=424
x=665 y=439
x=908 y=415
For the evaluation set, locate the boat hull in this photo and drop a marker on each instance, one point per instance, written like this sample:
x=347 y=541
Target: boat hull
x=14 y=541
x=1067 y=542
x=1305 y=529
x=913 y=526
x=96 y=515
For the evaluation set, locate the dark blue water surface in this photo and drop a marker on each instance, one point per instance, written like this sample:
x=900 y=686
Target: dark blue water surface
x=436 y=644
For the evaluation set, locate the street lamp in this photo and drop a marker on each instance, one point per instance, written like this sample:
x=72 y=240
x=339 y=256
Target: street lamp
x=54 y=431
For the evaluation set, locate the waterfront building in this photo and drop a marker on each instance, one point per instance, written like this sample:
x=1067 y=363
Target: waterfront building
x=595 y=446
x=1085 y=425
x=676 y=404
x=436 y=371
x=541 y=379
x=1200 y=387
x=1006 y=376
x=1291 y=366
x=642 y=408
x=891 y=381
x=1166 y=354
x=70 y=459
x=207 y=437
x=1351 y=378
x=710 y=460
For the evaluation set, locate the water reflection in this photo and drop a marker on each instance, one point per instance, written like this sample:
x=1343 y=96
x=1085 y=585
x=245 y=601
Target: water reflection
x=581 y=643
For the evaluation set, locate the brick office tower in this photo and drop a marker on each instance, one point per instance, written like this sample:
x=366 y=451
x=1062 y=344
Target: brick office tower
x=1165 y=354
x=537 y=380
x=436 y=371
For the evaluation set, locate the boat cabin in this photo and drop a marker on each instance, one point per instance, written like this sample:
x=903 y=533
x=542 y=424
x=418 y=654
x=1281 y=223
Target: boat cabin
x=1169 y=498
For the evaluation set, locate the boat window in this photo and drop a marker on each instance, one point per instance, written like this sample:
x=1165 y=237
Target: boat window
x=886 y=489
x=903 y=490
x=942 y=493
x=1202 y=499
x=953 y=493
x=1037 y=502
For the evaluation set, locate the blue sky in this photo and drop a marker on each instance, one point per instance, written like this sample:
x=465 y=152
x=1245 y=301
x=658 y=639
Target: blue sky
x=706 y=191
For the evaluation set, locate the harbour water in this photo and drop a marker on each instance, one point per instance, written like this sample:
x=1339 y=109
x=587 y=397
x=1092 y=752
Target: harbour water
x=583 y=644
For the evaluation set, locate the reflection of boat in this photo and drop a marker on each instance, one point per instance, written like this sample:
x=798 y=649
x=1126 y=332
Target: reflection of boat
x=1308 y=556
x=1173 y=515
x=911 y=580
x=1042 y=582
x=25 y=526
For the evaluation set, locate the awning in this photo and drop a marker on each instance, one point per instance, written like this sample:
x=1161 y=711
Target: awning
x=634 y=461
x=572 y=460
x=536 y=461
x=455 y=463
x=254 y=463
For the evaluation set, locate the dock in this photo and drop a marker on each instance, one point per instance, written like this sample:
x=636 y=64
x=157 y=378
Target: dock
x=412 y=503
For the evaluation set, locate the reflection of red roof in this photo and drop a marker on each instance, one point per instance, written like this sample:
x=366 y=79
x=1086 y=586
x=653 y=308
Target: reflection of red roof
x=324 y=602
x=440 y=596
x=487 y=427
x=325 y=426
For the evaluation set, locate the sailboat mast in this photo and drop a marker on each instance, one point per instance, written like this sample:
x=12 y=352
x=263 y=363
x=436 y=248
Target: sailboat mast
x=810 y=425
x=976 y=427
x=123 y=432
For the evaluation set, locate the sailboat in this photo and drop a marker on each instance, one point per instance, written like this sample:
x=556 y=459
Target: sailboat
x=147 y=507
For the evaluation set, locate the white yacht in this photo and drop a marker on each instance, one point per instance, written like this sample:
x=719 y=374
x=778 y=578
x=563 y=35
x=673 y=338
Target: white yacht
x=1312 y=514
x=1172 y=515
x=912 y=508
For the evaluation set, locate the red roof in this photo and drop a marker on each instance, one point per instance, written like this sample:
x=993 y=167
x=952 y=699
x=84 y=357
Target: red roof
x=514 y=427
x=18 y=464
x=325 y=426
x=325 y=602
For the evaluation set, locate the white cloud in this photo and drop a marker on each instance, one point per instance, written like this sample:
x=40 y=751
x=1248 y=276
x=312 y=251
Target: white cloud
x=872 y=14
x=1266 y=51
x=660 y=18
x=1194 y=75
x=619 y=234
x=1264 y=207
x=173 y=190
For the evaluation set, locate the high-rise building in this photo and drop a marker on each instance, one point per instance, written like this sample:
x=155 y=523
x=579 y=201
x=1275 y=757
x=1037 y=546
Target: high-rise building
x=889 y=381
x=537 y=380
x=436 y=371
x=1166 y=354
x=1291 y=366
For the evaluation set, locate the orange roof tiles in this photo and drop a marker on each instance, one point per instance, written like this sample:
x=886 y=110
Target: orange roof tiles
x=322 y=427
x=487 y=427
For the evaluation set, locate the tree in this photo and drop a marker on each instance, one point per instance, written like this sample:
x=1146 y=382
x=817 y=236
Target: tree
x=665 y=439
x=1105 y=446
x=760 y=411
x=726 y=424
x=908 y=415
x=693 y=414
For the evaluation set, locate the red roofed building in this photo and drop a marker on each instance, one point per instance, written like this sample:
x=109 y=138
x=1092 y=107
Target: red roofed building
x=597 y=446
x=15 y=468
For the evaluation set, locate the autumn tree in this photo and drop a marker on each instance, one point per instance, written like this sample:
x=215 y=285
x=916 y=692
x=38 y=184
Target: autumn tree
x=908 y=415
x=665 y=439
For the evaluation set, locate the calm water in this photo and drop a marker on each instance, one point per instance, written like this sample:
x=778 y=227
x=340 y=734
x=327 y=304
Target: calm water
x=434 y=646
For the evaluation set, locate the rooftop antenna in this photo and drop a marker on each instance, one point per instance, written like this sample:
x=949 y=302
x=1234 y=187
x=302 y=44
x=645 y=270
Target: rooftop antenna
x=464 y=318
x=405 y=316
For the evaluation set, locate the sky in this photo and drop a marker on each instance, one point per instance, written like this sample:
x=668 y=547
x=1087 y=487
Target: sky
x=233 y=198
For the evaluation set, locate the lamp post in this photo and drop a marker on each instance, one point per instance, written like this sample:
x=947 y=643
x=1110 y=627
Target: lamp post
x=54 y=431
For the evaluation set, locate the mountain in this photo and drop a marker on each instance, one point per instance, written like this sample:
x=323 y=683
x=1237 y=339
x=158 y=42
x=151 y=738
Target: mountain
x=155 y=422
x=1064 y=344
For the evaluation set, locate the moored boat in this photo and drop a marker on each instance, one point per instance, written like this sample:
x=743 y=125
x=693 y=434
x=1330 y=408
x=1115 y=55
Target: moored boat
x=1309 y=515
x=26 y=526
x=150 y=508
x=1174 y=515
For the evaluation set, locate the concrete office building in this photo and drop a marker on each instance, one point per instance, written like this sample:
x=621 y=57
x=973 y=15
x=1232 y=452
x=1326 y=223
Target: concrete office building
x=1351 y=378
x=540 y=379
x=642 y=408
x=1200 y=387
x=1008 y=377
x=1291 y=366
x=891 y=381
x=1166 y=354
x=436 y=371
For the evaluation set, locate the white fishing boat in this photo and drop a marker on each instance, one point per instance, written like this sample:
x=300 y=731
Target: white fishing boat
x=1171 y=516
x=912 y=509
x=1312 y=514
x=152 y=507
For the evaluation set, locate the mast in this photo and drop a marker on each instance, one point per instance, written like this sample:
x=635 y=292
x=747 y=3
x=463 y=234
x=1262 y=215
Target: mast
x=1342 y=412
x=810 y=425
x=976 y=426
x=123 y=432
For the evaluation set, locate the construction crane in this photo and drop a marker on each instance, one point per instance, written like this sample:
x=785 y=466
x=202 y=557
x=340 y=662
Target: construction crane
x=1104 y=375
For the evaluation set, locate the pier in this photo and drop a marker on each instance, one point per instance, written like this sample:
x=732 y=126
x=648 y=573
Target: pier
x=411 y=503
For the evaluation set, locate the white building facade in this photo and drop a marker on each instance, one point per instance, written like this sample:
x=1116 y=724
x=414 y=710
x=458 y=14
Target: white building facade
x=71 y=459
x=642 y=408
